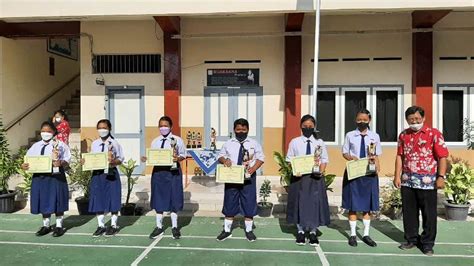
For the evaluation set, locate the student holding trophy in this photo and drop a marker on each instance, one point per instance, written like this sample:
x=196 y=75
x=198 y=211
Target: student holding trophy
x=49 y=189
x=361 y=194
x=308 y=205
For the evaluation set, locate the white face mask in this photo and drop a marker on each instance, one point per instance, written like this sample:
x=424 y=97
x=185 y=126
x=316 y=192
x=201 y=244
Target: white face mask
x=103 y=132
x=57 y=119
x=46 y=136
x=416 y=127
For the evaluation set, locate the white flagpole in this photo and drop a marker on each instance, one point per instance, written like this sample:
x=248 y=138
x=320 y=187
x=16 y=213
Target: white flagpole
x=317 y=5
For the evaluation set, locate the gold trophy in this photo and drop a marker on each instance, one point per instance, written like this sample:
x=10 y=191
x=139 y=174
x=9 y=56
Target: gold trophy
x=174 y=147
x=371 y=153
x=188 y=138
x=110 y=154
x=317 y=160
x=199 y=140
x=193 y=138
x=213 y=139
x=55 y=155
x=246 y=163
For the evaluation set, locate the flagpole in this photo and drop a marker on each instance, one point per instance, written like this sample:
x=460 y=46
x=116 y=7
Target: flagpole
x=317 y=5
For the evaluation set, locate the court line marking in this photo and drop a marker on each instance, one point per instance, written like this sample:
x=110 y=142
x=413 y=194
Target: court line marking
x=146 y=251
x=321 y=255
x=233 y=238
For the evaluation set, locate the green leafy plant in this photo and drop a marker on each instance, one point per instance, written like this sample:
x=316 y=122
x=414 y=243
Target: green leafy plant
x=25 y=186
x=285 y=168
x=390 y=200
x=77 y=177
x=329 y=179
x=127 y=169
x=264 y=193
x=468 y=133
x=459 y=183
x=7 y=165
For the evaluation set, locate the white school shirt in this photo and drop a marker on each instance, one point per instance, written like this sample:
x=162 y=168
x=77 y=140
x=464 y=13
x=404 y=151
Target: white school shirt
x=156 y=144
x=231 y=148
x=298 y=145
x=109 y=142
x=352 y=143
x=64 y=152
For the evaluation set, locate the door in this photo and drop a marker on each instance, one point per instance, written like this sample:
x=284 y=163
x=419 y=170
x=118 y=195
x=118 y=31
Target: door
x=126 y=113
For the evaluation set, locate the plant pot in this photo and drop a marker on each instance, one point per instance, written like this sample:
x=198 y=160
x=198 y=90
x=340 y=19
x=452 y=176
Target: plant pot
x=265 y=210
x=21 y=201
x=394 y=214
x=128 y=209
x=83 y=206
x=456 y=212
x=7 y=202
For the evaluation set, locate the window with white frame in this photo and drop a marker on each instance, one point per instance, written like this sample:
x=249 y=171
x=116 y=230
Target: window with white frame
x=454 y=103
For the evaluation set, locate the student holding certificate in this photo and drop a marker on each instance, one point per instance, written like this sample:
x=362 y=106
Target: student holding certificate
x=308 y=205
x=105 y=185
x=167 y=180
x=49 y=189
x=361 y=194
x=241 y=198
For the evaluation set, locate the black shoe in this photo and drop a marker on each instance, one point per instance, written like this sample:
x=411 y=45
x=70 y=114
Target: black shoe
x=369 y=241
x=428 y=251
x=43 y=231
x=300 y=239
x=406 y=246
x=99 y=231
x=250 y=236
x=156 y=233
x=176 y=233
x=58 y=231
x=353 y=241
x=224 y=235
x=111 y=231
x=313 y=240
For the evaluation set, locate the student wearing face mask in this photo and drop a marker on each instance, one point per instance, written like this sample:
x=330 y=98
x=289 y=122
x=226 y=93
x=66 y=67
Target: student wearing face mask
x=105 y=186
x=49 y=191
x=60 y=120
x=420 y=169
x=308 y=205
x=361 y=194
x=166 y=183
x=241 y=198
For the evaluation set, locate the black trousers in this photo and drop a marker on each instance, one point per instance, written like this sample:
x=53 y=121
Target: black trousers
x=414 y=201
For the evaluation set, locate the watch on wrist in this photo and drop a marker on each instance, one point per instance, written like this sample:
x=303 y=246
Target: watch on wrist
x=442 y=176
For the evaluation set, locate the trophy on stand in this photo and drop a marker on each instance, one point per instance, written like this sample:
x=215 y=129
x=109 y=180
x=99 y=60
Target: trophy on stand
x=246 y=163
x=193 y=138
x=110 y=155
x=199 y=140
x=55 y=155
x=371 y=153
x=317 y=160
x=213 y=139
x=188 y=138
x=173 y=144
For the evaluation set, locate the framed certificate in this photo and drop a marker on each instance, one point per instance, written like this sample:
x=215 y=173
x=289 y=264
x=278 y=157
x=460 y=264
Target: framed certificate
x=302 y=165
x=95 y=161
x=357 y=168
x=234 y=174
x=159 y=157
x=39 y=164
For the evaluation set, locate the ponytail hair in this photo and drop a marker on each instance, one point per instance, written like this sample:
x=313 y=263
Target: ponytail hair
x=109 y=125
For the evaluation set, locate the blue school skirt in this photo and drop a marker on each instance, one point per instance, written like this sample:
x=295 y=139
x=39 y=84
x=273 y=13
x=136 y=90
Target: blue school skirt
x=361 y=194
x=49 y=194
x=241 y=198
x=105 y=192
x=166 y=190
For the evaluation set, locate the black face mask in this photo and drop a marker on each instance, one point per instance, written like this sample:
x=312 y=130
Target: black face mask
x=307 y=132
x=362 y=126
x=241 y=136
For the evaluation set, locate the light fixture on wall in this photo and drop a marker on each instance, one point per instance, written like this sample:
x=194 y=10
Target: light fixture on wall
x=100 y=81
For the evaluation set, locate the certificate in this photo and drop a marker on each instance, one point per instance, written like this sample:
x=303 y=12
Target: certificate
x=39 y=164
x=233 y=174
x=357 y=168
x=95 y=161
x=302 y=165
x=159 y=157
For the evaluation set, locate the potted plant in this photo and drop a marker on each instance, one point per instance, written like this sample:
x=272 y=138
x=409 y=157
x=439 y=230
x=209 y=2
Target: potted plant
x=265 y=207
x=459 y=189
x=468 y=133
x=127 y=168
x=285 y=170
x=391 y=202
x=7 y=169
x=24 y=187
x=81 y=180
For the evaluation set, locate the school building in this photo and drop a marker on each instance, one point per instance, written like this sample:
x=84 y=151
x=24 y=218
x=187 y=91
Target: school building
x=207 y=63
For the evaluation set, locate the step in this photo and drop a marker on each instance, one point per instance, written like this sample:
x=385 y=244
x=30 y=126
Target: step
x=74 y=124
x=70 y=111
x=74 y=117
x=72 y=106
x=74 y=100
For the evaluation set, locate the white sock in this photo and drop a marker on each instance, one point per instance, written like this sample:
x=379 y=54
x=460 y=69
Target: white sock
x=113 y=220
x=353 y=225
x=313 y=231
x=46 y=222
x=300 y=228
x=59 y=221
x=366 y=227
x=174 y=220
x=100 y=220
x=248 y=226
x=228 y=225
x=159 y=220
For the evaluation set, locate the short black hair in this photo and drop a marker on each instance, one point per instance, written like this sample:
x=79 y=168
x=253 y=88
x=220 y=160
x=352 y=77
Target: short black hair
x=105 y=121
x=364 y=111
x=306 y=118
x=241 y=121
x=167 y=119
x=50 y=125
x=62 y=113
x=413 y=109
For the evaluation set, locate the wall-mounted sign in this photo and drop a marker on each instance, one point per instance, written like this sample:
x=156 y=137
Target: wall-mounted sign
x=233 y=77
x=66 y=47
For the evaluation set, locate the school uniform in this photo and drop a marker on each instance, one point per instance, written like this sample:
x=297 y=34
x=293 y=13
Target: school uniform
x=241 y=198
x=361 y=194
x=307 y=198
x=167 y=184
x=106 y=188
x=49 y=191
